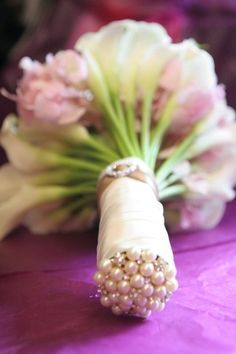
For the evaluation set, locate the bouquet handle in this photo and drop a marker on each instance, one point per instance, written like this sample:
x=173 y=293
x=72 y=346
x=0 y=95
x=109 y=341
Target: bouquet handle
x=136 y=271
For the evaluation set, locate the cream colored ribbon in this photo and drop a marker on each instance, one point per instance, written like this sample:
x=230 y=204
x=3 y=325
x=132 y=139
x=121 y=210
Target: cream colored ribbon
x=130 y=213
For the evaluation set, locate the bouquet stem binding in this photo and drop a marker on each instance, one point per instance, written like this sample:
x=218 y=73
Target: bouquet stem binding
x=136 y=271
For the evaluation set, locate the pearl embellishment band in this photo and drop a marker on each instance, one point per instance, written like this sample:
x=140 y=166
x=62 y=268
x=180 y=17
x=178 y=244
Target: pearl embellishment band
x=135 y=294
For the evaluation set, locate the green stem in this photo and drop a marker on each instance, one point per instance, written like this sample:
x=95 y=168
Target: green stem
x=83 y=188
x=128 y=123
x=100 y=146
x=62 y=177
x=117 y=132
x=119 y=109
x=177 y=189
x=132 y=130
x=59 y=216
x=50 y=194
x=89 y=154
x=99 y=87
x=58 y=160
x=178 y=155
x=78 y=204
x=168 y=181
x=160 y=129
x=145 y=126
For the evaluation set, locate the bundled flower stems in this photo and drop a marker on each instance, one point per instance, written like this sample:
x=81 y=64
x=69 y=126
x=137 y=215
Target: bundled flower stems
x=128 y=128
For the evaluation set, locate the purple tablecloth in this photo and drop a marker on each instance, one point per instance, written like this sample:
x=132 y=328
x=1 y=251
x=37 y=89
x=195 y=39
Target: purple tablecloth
x=47 y=302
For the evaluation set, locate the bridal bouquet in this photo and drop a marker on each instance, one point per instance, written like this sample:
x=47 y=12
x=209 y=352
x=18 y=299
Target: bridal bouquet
x=130 y=129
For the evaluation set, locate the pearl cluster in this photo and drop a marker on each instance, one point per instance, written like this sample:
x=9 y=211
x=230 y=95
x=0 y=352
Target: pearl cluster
x=135 y=282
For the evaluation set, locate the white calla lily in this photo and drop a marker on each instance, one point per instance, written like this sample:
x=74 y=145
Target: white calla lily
x=10 y=181
x=53 y=217
x=198 y=65
x=218 y=137
x=118 y=49
x=19 y=202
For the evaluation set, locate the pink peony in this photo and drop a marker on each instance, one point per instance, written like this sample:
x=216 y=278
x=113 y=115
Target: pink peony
x=54 y=91
x=69 y=66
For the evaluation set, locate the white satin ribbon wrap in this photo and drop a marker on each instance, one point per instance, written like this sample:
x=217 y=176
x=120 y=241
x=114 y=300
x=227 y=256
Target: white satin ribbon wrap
x=131 y=216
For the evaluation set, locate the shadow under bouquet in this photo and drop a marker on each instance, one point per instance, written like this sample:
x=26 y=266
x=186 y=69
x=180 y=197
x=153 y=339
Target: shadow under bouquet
x=130 y=129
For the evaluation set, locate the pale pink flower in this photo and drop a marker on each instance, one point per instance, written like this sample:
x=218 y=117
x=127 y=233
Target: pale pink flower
x=214 y=160
x=215 y=184
x=193 y=104
x=210 y=181
x=54 y=91
x=171 y=75
x=194 y=214
x=69 y=66
x=169 y=81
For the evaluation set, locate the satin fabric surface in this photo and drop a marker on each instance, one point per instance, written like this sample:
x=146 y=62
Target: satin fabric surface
x=48 y=300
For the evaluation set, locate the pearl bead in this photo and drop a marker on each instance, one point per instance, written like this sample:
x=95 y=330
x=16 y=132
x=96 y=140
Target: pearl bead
x=110 y=286
x=116 y=310
x=161 y=307
x=147 y=269
x=99 y=278
x=105 y=266
x=114 y=298
x=131 y=267
x=148 y=256
x=147 y=313
x=160 y=292
x=123 y=287
x=140 y=300
x=124 y=299
x=116 y=274
x=105 y=301
x=124 y=307
x=147 y=290
x=137 y=281
x=172 y=285
x=153 y=305
x=170 y=272
x=142 y=311
x=133 y=254
x=158 y=278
